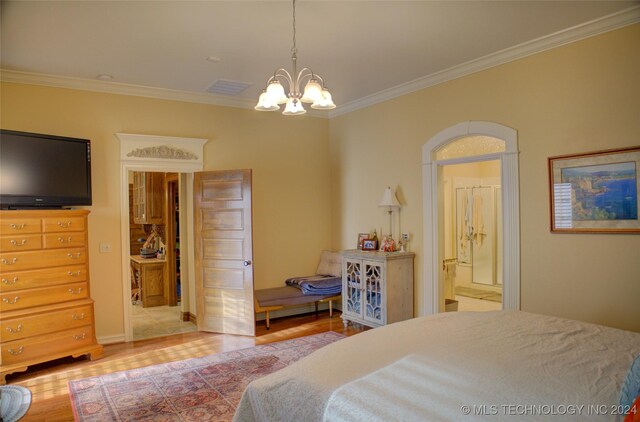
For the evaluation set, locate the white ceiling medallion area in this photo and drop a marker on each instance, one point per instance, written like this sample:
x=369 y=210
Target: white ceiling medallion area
x=579 y=32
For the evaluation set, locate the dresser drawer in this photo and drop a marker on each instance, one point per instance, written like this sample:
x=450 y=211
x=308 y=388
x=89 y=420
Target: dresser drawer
x=17 y=261
x=64 y=240
x=63 y=224
x=21 y=299
x=45 y=345
x=20 y=242
x=20 y=226
x=20 y=280
x=45 y=323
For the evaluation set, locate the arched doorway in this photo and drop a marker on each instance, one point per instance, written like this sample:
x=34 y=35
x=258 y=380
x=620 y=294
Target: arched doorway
x=433 y=160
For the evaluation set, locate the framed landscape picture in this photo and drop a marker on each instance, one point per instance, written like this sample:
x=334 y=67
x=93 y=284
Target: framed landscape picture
x=596 y=192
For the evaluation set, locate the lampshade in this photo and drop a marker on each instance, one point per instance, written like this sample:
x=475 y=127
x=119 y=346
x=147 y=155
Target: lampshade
x=275 y=92
x=312 y=92
x=264 y=104
x=293 y=107
x=325 y=102
x=389 y=199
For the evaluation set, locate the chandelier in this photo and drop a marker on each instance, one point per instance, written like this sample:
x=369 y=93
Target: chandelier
x=314 y=93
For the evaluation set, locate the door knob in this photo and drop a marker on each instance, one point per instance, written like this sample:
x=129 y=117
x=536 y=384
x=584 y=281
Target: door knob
x=246 y=263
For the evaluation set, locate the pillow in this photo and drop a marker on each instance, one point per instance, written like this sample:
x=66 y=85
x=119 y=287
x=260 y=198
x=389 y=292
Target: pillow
x=633 y=415
x=631 y=386
x=330 y=264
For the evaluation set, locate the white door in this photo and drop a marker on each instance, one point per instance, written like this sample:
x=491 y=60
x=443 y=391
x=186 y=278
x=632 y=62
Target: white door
x=224 y=252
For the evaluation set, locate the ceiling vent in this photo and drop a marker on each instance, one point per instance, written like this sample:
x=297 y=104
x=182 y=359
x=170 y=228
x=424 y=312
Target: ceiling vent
x=226 y=87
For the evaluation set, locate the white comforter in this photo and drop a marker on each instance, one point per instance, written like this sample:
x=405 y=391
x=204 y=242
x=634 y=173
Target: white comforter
x=455 y=366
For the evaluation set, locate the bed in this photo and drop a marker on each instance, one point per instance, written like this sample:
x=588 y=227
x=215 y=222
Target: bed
x=454 y=366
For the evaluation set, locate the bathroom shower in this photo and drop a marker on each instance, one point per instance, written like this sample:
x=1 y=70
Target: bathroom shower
x=477 y=232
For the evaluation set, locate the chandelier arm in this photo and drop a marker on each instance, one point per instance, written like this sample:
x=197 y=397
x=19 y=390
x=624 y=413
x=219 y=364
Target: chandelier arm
x=306 y=72
x=312 y=76
x=281 y=75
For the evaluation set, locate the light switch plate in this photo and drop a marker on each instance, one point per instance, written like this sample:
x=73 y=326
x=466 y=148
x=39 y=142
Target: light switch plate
x=105 y=247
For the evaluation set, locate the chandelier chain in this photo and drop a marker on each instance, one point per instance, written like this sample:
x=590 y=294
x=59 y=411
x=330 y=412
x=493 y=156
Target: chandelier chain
x=294 y=49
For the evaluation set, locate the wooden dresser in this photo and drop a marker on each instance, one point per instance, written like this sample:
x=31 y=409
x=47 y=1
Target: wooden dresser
x=46 y=311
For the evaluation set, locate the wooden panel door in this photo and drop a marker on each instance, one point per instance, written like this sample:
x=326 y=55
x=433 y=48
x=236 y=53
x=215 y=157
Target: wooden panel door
x=224 y=252
x=155 y=199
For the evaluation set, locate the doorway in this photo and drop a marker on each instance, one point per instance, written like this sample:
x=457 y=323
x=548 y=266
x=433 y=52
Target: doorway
x=470 y=142
x=216 y=253
x=156 y=290
x=472 y=211
x=151 y=153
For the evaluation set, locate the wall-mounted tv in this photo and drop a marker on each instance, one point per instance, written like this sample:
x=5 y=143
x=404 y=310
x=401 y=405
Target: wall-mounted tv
x=43 y=171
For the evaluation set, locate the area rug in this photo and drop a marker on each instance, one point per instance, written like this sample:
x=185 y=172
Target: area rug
x=198 y=389
x=478 y=293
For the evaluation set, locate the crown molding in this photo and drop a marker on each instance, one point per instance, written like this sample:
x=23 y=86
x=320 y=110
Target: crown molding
x=608 y=23
x=598 y=26
x=57 y=81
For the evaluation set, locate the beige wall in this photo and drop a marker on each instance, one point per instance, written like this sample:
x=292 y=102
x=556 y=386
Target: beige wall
x=289 y=158
x=317 y=183
x=577 y=98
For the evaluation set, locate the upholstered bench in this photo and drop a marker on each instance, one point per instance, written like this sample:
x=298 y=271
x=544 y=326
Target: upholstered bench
x=274 y=299
x=266 y=300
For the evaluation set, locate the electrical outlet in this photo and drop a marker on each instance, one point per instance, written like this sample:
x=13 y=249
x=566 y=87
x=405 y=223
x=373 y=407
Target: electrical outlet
x=105 y=247
x=405 y=236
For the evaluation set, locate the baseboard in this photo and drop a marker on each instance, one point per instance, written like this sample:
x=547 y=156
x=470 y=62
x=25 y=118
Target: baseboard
x=186 y=316
x=111 y=339
x=190 y=317
x=297 y=310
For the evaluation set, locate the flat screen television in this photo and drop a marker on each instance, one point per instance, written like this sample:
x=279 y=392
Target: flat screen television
x=43 y=171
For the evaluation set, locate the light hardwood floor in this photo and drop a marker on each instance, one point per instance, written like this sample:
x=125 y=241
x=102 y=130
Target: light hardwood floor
x=48 y=382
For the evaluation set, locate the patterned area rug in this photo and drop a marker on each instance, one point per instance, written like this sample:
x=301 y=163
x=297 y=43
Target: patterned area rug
x=198 y=389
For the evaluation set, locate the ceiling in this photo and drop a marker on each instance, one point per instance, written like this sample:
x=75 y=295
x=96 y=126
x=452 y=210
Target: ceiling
x=362 y=49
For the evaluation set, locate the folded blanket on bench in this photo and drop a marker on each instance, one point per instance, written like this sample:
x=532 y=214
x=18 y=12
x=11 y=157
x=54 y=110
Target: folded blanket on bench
x=317 y=284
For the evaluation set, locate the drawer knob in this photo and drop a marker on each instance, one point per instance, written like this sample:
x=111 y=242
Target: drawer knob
x=15 y=352
x=74 y=292
x=62 y=240
x=77 y=317
x=64 y=225
x=20 y=243
x=72 y=274
x=17 y=329
x=80 y=336
x=9 y=301
x=10 y=282
x=7 y=262
x=73 y=256
x=17 y=226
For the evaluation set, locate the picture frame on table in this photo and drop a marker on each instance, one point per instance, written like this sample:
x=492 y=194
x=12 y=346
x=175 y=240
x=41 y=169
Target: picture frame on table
x=369 y=245
x=361 y=238
x=595 y=192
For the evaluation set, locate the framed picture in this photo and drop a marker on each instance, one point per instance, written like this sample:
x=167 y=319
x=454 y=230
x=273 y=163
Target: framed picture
x=361 y=237
x=369 y=245
x=596 y=192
